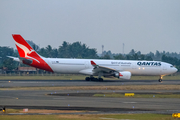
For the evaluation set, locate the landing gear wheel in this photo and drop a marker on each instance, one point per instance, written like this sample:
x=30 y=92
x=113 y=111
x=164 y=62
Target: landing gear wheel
x=92 y=79
x=87 y=79
x=160 y=80
x=100 y=79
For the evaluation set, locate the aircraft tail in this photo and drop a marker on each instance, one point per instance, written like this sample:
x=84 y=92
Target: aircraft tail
x=22 y=46
x=28 y=55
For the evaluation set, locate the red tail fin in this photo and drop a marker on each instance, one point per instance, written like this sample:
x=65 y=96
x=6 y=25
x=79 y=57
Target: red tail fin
x=28 y=54
x=22 y=46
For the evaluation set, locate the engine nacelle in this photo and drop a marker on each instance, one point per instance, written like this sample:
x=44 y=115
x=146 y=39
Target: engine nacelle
x=123 y=75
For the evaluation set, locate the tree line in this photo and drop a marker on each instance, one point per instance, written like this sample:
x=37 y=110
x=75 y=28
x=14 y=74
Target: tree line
x=82 y=51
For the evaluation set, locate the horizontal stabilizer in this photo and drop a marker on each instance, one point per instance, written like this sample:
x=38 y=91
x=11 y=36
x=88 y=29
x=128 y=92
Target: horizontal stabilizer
x=15 y=58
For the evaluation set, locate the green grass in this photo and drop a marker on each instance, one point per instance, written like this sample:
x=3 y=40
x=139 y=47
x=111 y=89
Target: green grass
x=13 y=110
x=175 y=77
x=89 y=117
x=63 y=77
x=79 y=77
x=141 y=116
x=138 y=95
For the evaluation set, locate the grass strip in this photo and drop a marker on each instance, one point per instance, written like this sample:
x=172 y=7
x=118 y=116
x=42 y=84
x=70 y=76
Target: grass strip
x=40 y=111
x=89 y=117
x=116 y=95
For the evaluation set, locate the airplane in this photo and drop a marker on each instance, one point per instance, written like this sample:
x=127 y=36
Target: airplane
x=122 y=69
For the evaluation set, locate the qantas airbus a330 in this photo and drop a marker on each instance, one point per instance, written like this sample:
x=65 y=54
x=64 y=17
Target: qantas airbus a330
x=122 y=69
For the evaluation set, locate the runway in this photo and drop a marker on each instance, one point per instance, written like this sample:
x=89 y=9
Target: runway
x=83 y=99
x=50 y=83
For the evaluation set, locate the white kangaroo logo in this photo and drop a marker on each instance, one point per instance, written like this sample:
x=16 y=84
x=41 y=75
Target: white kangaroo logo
x=26 y=51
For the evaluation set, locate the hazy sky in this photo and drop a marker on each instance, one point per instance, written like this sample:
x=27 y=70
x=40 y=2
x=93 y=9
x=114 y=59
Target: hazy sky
x=142 y=25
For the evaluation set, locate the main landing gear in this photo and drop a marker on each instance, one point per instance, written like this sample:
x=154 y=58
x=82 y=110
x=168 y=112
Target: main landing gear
x=93 y=79
x=160 y=79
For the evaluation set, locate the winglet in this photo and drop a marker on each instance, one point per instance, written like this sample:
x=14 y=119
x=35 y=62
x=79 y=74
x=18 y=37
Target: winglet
x=93 y=63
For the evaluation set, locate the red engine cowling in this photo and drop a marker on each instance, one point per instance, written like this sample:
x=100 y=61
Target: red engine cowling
x=123 y=75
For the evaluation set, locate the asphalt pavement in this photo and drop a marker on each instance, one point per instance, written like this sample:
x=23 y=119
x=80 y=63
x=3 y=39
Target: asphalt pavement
x=83 y=99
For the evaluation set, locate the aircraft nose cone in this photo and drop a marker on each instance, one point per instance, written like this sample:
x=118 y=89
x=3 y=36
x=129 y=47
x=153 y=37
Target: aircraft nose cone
x=176 y=69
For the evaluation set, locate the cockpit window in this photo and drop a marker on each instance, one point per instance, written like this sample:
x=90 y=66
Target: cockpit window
x=171 y=66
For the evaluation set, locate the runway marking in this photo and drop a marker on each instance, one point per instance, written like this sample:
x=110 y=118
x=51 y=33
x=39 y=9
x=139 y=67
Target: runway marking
x=129 y=102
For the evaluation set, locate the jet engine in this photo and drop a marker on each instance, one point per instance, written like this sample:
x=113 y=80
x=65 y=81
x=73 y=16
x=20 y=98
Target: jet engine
x=123 y=75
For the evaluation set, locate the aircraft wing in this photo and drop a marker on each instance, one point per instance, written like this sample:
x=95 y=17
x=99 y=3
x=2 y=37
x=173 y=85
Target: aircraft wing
x=98 y=68
x=109 y=72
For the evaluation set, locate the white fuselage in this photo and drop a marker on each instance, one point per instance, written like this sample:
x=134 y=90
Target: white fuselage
x=122 y=69
x=83 y=66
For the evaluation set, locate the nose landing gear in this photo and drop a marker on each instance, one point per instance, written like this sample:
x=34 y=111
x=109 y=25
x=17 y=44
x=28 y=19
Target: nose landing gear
x=160 y=79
